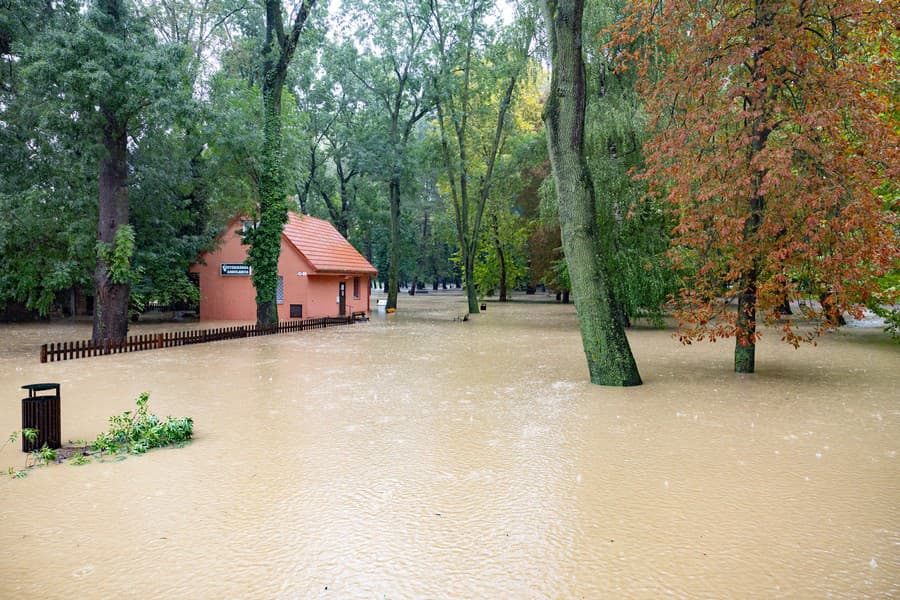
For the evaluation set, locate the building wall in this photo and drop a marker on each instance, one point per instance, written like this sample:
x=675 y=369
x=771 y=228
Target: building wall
x=323 y=291
x=233 y=298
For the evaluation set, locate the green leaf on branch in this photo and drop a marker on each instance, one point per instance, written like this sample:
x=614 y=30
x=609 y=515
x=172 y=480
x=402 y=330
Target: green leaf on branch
x=118 y=256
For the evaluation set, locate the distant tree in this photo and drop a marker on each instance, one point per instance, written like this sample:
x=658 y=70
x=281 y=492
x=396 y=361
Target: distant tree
x=473 y=90
x=772 y=128
x=318 y=98
x=199 y=25
x=511 y=213
x=338 y=127
x=390 y=63
x=609 y=357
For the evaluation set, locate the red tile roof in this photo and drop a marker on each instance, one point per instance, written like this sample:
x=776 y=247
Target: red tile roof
x=324 y=247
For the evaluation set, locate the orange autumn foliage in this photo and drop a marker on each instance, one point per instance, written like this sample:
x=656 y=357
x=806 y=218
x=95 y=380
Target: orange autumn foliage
x=772 y=124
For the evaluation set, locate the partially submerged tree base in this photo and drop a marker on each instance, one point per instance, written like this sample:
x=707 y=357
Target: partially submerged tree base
x=744 y=357
x=606 y=347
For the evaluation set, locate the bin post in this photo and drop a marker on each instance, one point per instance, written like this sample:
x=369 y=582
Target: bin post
x=42 y=413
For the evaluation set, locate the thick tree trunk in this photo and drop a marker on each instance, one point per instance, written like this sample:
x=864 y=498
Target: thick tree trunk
x=609 y=357
x=273 y=211
x=266 y=238
x=110 y=298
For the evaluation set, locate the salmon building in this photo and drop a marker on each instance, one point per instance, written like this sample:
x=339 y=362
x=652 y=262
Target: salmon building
x=320 y=274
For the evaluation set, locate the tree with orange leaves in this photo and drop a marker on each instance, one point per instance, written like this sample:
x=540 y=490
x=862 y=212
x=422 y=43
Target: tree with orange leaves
x=771 y=129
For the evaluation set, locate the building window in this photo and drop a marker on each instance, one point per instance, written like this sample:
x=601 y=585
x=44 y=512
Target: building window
x=279 y=291
x=296 y=311
x=356 y=288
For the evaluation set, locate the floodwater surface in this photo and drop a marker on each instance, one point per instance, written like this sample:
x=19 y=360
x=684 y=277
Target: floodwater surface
x=416 y=456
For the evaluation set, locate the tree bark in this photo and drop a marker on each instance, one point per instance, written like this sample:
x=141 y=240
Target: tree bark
x=745 y=341
x=471 y=291
x=609 y=357
x=110 y=298
x=394 y=266
x=745 y=338
x=501 y=259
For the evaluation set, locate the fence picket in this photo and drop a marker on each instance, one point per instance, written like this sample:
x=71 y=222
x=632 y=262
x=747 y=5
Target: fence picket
x=57 y=351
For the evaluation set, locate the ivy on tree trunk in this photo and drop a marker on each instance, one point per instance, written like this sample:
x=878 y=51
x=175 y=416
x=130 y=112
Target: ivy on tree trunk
x=265 y=239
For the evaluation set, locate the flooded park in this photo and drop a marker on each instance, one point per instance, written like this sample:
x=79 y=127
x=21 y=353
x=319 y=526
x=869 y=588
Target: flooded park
x=418 y=456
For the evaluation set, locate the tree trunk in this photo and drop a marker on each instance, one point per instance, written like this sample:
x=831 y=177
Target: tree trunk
x=110 y=298
x=394 y=267
x=830 y=314
x=785 y=308
x=501 y=258
x=503 y=291
x=745 y=341
x=745 y=336
x=471 y=292
x=609 y=357
x=266 y=238
x=273 y=212
x=342 y=223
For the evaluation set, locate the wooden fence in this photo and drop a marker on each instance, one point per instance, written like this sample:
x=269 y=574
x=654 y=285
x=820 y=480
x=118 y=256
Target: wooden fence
x=152 y=341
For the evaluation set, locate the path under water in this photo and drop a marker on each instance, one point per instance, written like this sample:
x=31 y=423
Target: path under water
x=418 y=457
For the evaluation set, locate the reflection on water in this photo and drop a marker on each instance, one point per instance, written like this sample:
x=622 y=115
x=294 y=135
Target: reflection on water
x=418 y=457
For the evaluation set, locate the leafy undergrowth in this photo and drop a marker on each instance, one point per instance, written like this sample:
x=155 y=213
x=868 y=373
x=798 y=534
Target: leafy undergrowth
x=132 y=432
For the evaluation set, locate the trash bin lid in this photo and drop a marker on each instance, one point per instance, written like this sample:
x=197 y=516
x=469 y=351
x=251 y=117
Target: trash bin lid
x=40 y=387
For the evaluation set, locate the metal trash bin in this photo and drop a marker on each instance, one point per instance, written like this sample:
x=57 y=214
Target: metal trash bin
x=41 y=413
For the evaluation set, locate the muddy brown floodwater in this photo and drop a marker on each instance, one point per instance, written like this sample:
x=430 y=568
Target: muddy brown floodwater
x=418 y=457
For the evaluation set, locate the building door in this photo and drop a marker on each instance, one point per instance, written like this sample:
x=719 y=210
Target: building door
x=342 y=299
